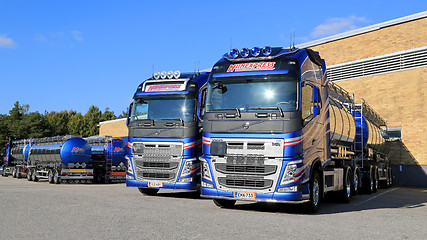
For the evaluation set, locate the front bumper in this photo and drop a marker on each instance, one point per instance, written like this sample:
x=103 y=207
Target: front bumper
x=290 y=197
x=166 y=185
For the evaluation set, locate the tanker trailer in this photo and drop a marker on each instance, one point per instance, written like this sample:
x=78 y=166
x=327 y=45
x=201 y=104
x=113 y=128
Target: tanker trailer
x=16 y=157
x=60 y=159
x=108 y=158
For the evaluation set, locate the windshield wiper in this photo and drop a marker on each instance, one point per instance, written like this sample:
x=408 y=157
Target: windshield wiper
x=269 y=108
x=174 y=119
x=227 y=109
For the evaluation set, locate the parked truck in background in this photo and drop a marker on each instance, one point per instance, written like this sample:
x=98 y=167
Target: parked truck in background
x=276 y=130
x=16 y=157
x=165 y=133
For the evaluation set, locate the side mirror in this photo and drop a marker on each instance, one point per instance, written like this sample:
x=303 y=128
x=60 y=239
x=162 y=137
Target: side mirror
x=129 y=113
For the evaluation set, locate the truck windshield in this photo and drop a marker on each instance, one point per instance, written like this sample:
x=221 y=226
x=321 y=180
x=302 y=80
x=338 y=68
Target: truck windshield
x=164 y=109
x=253 y=95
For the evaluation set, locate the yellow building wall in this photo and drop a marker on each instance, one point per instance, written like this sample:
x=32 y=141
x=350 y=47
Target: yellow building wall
x=113 y=128
x=391 y=39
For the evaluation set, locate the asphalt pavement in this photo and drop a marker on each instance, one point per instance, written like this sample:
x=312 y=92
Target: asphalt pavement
x=39 y=210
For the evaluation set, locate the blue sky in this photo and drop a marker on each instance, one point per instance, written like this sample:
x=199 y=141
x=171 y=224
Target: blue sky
x=63 y=55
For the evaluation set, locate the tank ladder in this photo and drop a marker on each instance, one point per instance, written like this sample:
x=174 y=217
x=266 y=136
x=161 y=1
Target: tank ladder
x=109 y=159
x=358 y=142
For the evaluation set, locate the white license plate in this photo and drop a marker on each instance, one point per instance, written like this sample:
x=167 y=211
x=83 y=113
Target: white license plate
x=155 y=184
x=244 y=195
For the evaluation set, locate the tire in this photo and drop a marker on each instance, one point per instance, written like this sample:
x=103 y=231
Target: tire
x=356 y=183
x=34 y=176
x=14 y=172
x=376 y=180
x=348 y=179
x=369 y=180
x=148 y=191
x=56 y=178
x=29 y=177
x=315 y=193
x=391 y=178
x=18 y=172
x=223 y=203
x=50 y=176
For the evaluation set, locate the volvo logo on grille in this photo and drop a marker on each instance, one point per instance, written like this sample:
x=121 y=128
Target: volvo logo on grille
x=245 y=125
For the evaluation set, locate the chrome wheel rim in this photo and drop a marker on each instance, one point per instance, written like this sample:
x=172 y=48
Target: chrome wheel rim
x=356 y=182
x=348 y=185
x=316 y=192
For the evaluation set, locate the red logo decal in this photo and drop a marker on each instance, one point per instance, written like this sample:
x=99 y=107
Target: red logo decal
x=75 y=149
x=240 y=67
x=116 y=149
x=165 y=87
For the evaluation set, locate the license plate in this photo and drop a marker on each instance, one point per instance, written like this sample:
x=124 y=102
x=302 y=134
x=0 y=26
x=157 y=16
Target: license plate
x=244 y=195
x=155 y=184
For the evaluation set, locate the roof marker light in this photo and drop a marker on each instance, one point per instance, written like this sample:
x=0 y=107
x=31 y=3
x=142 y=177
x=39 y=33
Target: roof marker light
x=170 y=74
x=244 y=52
x=163 y=75
x=255 y=51
x=234 y=53
x=266 y=50
x=177 y=74
x=156 y=75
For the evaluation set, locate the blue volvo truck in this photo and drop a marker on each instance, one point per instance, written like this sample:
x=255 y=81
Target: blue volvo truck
x=276 y=130
x=165 y=132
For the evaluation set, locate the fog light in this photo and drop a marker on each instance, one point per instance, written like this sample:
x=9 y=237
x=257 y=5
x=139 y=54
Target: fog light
x=289 y=189
x=170 y=74
x=207 y=185
x=266 y=50
x=255 y=51
x=177 y=74
x=156 y=75
x=184 y=180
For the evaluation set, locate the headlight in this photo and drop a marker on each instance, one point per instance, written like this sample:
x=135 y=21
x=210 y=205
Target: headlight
x=186 y=169
x=289 y=174
x=206 y=173
x=129 y=164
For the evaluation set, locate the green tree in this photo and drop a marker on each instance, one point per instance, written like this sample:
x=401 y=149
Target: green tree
x=91 y=121
x=107 y=115
x=58 y=122
x=34 y=125
x=75 y=123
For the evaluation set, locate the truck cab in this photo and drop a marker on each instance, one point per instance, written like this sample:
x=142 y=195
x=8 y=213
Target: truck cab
x=165 y=132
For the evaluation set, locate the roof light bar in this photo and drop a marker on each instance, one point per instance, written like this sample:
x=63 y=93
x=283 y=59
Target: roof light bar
x=234 y=53
x=266 y=51
x=255 y=51
x=164 y=75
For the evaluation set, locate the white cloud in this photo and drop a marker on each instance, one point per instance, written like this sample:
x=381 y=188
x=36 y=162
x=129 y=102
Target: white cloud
x=77 y=35
x=6 y=42
x=337 y=25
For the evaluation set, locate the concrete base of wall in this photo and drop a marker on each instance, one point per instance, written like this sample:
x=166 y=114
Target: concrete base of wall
x=410 y=175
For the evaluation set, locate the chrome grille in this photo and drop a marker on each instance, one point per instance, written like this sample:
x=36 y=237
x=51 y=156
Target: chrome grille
x=157 y=160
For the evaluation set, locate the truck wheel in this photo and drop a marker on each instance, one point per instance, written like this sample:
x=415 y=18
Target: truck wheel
x=14 y=172
x=346 y=192
x=223 y=203
x=35 y=178
x=56 y=178
x=315 y=190
x=376 y=180
x=29 y=177
x=18 y=173
x=148 y=191
x=356 y=184
x=391 y=177
x=369 y=180
x=50 y=176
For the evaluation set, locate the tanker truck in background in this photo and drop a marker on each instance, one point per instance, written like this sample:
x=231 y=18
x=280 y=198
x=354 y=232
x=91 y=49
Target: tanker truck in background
x=165 y=132
x=108 y=158
x=275 y=129
x=60 y=159
x=16 y=157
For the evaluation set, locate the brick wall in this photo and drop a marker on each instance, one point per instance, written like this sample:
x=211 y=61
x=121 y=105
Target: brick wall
x=391 y=39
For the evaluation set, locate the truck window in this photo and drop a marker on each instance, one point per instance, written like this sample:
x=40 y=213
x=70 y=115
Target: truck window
x=306 y=101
